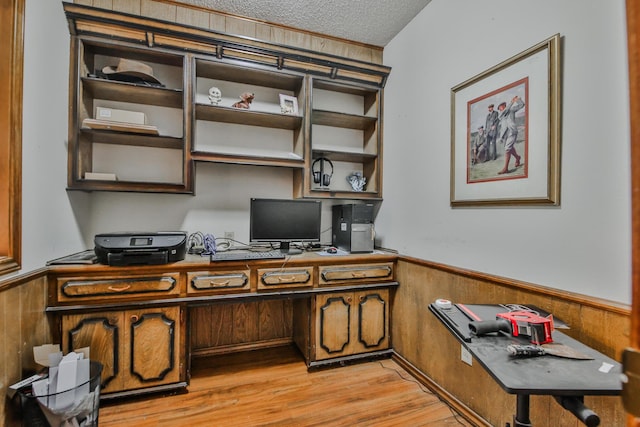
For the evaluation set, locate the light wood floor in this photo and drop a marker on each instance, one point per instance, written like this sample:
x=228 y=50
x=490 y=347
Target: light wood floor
x=273 y=388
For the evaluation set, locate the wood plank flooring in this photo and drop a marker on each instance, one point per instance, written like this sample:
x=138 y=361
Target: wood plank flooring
x=273 y=388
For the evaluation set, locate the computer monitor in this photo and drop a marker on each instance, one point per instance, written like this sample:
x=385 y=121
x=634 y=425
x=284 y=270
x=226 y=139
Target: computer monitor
x=284 y=221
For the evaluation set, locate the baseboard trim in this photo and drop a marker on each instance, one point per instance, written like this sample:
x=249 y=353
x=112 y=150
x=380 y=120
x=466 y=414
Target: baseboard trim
x=235 y=348
x=349 y=360
x=462 y=409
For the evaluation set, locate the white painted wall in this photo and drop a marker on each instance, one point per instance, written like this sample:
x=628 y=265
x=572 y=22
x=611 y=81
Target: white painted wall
x=583 y=245
x=57 y=222
x=52 y=220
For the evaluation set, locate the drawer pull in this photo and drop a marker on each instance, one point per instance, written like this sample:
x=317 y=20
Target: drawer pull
x=285 y=278
x=119 y=288
x=356 y=273
x=220 y=282
x=230 y=281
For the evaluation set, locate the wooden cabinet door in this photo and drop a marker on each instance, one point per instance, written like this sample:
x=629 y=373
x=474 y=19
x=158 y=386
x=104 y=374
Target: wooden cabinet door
x=137 y=348
x=334 y=323
x=373 y=320
x=102 y=333
x=152 y=339
x=351 y=323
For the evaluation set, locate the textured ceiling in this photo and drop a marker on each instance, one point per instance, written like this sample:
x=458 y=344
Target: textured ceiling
x=373 y=22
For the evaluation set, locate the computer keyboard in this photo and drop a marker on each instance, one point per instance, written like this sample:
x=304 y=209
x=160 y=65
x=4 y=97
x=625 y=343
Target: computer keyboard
x=246 y=255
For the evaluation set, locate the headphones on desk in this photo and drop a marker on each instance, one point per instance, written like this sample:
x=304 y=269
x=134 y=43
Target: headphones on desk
x=319 y=177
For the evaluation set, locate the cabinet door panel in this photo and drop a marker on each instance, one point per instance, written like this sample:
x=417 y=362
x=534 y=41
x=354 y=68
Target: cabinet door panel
x=101 y=332
x=154 y=338
x=333 y=327
x=372 y=319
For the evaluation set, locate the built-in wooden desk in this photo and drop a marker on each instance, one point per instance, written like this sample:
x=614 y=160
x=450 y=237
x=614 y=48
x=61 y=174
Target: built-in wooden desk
x=145 y=323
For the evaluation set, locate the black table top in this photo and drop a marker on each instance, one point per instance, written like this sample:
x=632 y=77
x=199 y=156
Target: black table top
x=543 y=375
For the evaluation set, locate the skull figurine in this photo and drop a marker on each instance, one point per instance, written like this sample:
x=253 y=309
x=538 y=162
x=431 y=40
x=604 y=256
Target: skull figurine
x=215 y=95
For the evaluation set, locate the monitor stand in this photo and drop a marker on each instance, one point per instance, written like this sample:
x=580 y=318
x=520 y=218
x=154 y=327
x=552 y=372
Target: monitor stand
x=286 y=249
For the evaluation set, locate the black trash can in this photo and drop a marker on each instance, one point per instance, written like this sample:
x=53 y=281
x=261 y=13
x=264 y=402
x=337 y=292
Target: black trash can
x=82 y=408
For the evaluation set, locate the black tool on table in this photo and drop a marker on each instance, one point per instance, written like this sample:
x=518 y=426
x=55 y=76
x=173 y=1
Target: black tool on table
x=553 y=349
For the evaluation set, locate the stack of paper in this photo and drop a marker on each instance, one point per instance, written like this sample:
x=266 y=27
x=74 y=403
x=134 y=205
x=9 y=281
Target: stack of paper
x=120 y=121
x=65 y=397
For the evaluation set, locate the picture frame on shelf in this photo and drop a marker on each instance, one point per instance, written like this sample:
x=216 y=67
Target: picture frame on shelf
x=288 y=104
x=505 y=132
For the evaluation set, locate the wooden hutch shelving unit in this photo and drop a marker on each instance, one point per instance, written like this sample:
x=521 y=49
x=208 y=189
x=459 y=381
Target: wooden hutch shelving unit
x=339 y=115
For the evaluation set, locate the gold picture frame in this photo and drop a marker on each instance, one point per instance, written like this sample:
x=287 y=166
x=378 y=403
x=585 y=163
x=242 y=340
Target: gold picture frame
x=505 y=132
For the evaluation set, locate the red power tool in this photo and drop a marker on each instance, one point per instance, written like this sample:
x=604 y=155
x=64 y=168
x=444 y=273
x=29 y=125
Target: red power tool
x=517 y=323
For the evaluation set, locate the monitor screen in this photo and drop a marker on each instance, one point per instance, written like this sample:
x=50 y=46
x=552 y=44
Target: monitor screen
x=284 y=221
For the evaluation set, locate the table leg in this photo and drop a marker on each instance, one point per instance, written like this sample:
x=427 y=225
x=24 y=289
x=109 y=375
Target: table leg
x=521 y=419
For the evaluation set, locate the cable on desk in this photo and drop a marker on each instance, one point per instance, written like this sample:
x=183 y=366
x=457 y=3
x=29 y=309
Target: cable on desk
x=209 y=243
x=194 y=243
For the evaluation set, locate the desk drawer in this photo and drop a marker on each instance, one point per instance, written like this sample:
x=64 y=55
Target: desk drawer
x=331 y=275
x=218 y=282
x=276 y=278
x=79 y=289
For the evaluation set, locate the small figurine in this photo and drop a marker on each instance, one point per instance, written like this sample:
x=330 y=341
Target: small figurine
x=357 y=181
x=215 y=95
x=245 y=101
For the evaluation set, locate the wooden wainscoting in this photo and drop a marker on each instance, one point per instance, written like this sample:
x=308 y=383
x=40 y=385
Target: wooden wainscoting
x=23 y=325
x=421 y=341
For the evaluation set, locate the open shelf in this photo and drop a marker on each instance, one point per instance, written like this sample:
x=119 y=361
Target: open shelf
x=128 y=138
x=118 y=91
x=247 y=117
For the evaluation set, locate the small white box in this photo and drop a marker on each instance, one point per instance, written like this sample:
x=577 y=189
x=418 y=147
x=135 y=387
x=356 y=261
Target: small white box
x=123 y=116
x=100 y=176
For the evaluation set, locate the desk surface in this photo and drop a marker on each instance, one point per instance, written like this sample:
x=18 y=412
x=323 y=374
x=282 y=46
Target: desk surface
x=543 y=375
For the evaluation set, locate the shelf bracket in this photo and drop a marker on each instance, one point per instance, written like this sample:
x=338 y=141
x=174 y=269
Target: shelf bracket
x=150 y=41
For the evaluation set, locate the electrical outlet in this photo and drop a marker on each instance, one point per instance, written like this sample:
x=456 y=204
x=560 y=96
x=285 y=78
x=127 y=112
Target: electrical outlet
x=466 y=356
x=229 y=235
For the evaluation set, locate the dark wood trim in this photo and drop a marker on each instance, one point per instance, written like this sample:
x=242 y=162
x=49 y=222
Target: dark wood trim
x=633 y=29
x=21 y=279
x=11 y=71
x=88 y=21
x=633 y=46
x=450 y=399
x=585 y=300
x=351 y=359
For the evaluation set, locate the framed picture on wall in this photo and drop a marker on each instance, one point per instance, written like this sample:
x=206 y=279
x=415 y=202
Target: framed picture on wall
x=288 y=104
x=505 y=132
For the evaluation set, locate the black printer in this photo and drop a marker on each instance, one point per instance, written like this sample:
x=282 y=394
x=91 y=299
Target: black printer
x=120 y=249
